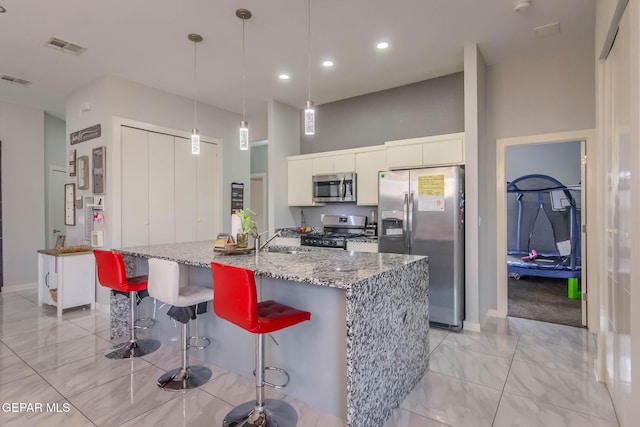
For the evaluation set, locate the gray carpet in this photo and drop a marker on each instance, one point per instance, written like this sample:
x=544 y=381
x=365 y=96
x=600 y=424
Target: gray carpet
x=543 y=299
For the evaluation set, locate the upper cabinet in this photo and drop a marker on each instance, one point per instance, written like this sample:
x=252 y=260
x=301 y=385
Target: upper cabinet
x=368 y=164
x=299 y=182
x=327 y=165
x=429 y=151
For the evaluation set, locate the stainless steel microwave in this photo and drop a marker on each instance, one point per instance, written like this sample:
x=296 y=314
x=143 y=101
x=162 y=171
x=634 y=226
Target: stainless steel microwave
x=339 y=187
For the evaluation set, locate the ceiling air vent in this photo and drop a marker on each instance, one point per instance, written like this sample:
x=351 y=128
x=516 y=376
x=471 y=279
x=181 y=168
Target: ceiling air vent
x=15 y=80
x=65 y=46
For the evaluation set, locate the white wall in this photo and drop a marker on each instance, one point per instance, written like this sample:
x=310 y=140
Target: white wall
x=116 y=97
x=474 y=127
x=23 y=226
x=560 y=161
x=284 y=140
x=258 y=127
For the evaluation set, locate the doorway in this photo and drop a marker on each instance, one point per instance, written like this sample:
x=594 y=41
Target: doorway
x=543 y=241
x=258 y=199
x=588 y=312
x=55 y=197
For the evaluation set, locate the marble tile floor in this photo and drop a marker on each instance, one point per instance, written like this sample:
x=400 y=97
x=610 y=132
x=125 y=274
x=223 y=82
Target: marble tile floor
x=517 y=372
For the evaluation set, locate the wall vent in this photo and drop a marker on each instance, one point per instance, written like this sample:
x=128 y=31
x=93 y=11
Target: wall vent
x=15 y=80
x=65 y=46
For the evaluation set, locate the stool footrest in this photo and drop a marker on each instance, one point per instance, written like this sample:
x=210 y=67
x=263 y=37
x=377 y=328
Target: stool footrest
x=144 y=323
x=272 y=385
x=197 y=340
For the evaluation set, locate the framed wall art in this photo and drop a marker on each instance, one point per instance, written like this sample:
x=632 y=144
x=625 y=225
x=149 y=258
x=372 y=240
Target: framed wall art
x=83 y=172
x=69 y=204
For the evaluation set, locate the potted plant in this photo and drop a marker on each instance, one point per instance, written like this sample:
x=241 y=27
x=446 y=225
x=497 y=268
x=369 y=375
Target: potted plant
x=249 y=226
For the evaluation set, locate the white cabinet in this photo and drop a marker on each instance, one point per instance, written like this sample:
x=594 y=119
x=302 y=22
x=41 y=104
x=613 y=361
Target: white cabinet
x=362 y=246
x=168 y=194
x=72 y=275
x=368 y=164
x=326 y=165
x=429 y=151
x=160 y=186
x=299 y=182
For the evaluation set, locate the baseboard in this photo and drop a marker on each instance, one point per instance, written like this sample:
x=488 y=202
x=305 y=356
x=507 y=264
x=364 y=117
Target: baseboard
x=19 y=288
x=471 y=326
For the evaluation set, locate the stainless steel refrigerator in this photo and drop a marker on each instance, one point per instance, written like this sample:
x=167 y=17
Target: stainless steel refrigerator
x=421 y=212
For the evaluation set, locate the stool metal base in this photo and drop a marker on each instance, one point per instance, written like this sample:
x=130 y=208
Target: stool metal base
x=132 y=349
x=275 y=413
x=179 y=379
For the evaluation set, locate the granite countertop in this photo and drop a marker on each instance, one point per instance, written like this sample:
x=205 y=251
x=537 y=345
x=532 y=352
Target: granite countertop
x=339 y=269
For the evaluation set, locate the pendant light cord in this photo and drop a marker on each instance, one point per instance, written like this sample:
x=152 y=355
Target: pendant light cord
x=244 y=74
x=309 y=49
x=195 y=84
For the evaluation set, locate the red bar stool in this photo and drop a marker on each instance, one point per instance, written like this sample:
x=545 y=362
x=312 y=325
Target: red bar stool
x=112 y=274
x=167 y=284
x=235 y=300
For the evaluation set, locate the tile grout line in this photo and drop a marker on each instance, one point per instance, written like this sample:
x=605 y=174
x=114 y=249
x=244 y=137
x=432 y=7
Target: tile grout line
x=505 y=381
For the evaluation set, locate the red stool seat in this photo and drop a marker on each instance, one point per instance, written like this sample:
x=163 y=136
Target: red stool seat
x=236 y=300
x=112 y=273
x=273 y=316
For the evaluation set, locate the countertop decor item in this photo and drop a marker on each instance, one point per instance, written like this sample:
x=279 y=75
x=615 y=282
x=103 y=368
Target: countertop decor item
x=249 y=226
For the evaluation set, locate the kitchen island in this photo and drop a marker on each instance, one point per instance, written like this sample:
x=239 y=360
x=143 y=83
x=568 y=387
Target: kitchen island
x=366 y=345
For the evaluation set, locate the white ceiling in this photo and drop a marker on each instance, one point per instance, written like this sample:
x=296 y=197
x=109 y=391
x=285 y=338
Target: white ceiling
x=146 y=41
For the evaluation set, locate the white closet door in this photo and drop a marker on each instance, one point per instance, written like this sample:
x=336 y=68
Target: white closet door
x=206 y=192
x=161 y=196
x=185 y=191
x=135 y=187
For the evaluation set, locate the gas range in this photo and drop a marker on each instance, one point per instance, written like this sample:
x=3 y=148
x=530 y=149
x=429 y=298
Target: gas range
x=336 y=230
x=327 y=240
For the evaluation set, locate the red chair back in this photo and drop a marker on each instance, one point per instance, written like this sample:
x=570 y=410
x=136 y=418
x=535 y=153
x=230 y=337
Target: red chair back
x=235 y=298
x=111 y=271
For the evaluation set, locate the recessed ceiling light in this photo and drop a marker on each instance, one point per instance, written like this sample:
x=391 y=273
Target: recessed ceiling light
x=284 y=76
x=382 y=45
x=327 y=63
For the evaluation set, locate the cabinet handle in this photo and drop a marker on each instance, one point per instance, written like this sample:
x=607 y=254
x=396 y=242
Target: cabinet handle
x=46 y=280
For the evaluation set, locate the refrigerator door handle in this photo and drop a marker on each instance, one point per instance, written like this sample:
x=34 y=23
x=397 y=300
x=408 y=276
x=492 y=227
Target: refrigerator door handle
x=405 y=221
x=411 y=231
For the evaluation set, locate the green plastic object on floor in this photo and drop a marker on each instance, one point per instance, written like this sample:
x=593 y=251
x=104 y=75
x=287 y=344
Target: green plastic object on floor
x=574 y=289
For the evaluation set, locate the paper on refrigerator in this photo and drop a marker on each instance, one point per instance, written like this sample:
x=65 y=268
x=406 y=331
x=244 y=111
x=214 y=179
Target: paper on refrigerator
x=431 y=192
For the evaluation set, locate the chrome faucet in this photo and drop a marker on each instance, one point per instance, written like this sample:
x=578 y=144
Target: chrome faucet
x=260 y=248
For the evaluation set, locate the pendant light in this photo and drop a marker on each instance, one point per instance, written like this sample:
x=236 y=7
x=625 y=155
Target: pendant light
x=309 y=111
x=243 y=14
x=195 y=134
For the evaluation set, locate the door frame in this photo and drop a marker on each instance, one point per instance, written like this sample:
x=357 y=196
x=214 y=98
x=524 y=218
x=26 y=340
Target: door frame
x=589 y=273
x=262 y=176
x=49 y=229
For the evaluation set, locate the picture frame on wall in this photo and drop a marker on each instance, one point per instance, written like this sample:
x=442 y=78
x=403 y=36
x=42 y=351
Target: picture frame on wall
x=72 y=163
x=70 y=204
x=83 y=172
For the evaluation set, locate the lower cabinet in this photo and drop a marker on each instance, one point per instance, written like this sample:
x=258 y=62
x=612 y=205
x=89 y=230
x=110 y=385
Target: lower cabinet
x=362 y=246
x=66 y=280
